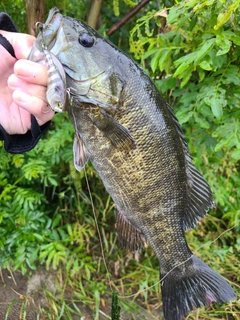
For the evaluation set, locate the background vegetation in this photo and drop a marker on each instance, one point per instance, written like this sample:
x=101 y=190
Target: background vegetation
x=192 y=50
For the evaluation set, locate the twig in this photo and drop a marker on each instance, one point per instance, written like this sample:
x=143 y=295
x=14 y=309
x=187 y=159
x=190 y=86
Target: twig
x=13 y=277
x=128 y=16
x=1 y=275
x=93 y=13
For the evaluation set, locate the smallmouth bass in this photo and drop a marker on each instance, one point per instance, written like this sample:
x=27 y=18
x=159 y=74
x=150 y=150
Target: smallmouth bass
x=134 y=141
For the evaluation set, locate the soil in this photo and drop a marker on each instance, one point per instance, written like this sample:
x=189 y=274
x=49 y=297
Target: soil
x=22 y=297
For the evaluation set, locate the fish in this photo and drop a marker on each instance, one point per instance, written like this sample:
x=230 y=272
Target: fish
x=134 y=141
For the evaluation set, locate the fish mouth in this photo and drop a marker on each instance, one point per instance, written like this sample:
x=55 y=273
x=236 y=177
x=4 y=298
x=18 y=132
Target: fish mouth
x=83 y=87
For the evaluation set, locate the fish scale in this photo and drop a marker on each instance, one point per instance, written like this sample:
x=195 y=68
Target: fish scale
x=135 y=143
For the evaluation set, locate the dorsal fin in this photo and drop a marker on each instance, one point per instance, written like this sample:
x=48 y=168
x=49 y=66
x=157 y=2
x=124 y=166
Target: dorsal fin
x=199 y=195
x=200 y=198
x=128 y=235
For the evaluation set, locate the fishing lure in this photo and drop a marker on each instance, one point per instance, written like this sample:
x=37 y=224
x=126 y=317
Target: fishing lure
x=56 y=87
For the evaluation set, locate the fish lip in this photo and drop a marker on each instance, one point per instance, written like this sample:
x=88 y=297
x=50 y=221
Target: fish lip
x=67 y=67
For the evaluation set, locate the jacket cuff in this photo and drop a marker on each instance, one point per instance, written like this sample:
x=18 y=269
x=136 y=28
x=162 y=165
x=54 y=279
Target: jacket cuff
x=20 y=143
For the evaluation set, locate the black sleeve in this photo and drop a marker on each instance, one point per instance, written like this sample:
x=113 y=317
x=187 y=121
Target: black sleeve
x=18 y=143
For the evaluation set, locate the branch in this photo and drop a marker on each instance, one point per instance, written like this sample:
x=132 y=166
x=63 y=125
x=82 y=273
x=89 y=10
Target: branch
x=35 y=10
x=128 y=16
x=92 y=17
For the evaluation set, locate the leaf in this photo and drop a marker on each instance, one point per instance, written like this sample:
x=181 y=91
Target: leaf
x=231 y=75
x=205 y=65
x=186 y=59
x=162 y=59
x=186 y=75
x=201 y=121
x=216 y=107
x=39 y=237
x=216 y=100
x=154 y=60
x=180 y=69
x=207 y=46
x=236 y=155
x=166 y=84
x=56 y=220
x=224 y=17
x=224 y=44
x=184 y=117
x=224 y=142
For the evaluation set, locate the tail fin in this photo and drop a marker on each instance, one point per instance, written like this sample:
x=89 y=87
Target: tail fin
x=190 y=286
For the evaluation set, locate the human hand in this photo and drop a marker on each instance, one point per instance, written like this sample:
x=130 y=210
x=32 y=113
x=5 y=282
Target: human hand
x=22 y=86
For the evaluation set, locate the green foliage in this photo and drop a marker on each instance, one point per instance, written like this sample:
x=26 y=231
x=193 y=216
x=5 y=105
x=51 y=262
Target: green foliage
x=115 y=307
x=16 y=10
x=194 y=55
x=28 y=186
x=46 y=214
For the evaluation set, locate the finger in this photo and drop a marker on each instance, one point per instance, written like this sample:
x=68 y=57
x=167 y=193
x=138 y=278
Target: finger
x=21 y=42
x=31 y=72
x=37 y=107
x=16 y=83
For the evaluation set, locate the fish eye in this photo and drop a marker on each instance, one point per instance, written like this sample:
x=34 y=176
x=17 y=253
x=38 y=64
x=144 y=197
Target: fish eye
x=86 y=40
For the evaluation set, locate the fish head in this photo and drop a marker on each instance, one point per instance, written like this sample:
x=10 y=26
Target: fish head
x=86 y=57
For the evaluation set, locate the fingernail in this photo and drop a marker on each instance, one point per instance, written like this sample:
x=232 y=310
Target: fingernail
x=14 y=82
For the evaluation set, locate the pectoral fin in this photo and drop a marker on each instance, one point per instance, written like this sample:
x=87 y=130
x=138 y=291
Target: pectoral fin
x=114 y=131
x=128 y=235
x=80 y=153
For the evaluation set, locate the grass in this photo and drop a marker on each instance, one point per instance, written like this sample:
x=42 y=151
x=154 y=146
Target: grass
x=70 y=247
x=133 y=276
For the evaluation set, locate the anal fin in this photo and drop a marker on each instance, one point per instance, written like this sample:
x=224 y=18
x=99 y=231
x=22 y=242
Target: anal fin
x=129 y=236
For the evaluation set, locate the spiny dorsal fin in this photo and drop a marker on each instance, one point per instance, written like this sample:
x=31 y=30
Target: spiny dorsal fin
x=129 y=236
x=200 y=198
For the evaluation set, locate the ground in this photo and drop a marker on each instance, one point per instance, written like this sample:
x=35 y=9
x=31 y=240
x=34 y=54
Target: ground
x=24 y=297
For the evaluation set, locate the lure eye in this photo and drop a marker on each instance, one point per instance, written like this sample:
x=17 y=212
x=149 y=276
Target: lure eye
x=39 y=26
x=85 y=40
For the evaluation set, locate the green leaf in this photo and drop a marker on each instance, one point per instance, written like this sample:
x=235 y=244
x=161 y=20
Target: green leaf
x=186 y=59
x=200 y=53
x=180 y=69
x=39 y=237
x=162 y=59
x=216 y=100
x=166 y=84
x=184 y=117
x=154 y=60
x=236 y=155
x=224 y=17
x=56 y=220
x=216 y=107
x=201 y=121
x=205 y=65
x=224 y=44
